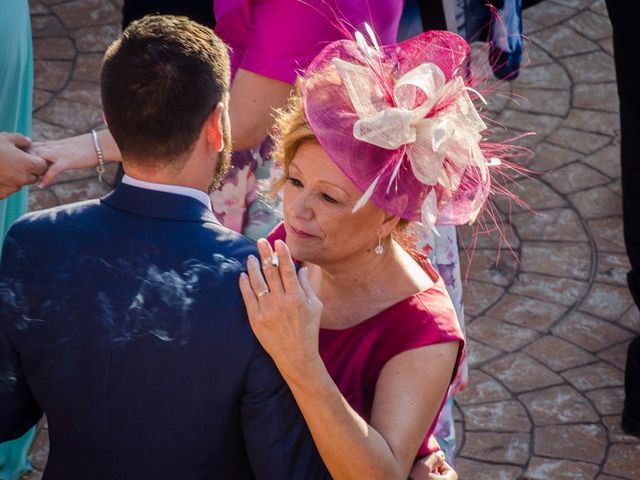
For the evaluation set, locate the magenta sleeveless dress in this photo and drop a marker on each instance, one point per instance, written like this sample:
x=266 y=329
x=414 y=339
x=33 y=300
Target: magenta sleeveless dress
x=355 y=356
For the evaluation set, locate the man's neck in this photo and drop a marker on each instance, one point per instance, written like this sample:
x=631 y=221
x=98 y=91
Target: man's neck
x=166 y=176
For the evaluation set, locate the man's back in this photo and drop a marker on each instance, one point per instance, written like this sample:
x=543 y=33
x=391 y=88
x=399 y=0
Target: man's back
x=122 y=320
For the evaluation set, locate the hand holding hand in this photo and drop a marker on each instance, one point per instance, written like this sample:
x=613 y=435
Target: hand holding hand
x=17 y=168
x=283 y=309
x=75 y=152
x=433 y=467
x=65 y=154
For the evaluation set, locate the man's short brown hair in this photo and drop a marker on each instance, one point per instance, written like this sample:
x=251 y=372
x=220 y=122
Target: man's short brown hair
x=160 y=81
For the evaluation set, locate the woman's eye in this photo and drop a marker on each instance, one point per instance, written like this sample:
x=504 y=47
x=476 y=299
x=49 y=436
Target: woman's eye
x=295 y=182
x=329 y=198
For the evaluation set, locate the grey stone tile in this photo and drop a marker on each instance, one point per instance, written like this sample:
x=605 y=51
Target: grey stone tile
x=558 y=354
x=591 y=25
x=606 y=160
x=596 y=96
x=558 y=405
x=544 y=468
x=597 y=202
x=586 y=442
x=499 y=334
x=562 y=224
x=505 y=416
x=573 y=177
x=564 y=291
x=475 y=470
x=584 y=142
x=521 y=373
x=594 y=67
x=570 y=260
x=560 y=41
x=607 y=301
x=589 y=332
x=482 y=389
x=511 y=448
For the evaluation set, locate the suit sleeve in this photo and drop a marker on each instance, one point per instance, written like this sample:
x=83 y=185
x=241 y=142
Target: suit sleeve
x=19 y=411
x=278 y=441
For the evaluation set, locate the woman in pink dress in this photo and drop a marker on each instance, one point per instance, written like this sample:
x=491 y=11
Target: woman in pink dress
x=270 y=42
x=377 y=138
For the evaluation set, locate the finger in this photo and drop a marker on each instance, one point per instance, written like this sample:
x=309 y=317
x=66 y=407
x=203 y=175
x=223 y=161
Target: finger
x=6 y=190
x=271 y=273
x=434 y=460
x=18 y=139
x=257 y=281
x=38 y=166
x=305 y=283
x=53 y=171
x=287 y=269
x=249 y=297
x=30 y=179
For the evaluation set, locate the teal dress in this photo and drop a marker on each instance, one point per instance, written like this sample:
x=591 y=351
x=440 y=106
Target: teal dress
x=16 y=88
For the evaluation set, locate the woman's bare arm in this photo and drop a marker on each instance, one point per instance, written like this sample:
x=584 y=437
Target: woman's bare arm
x=408 y=396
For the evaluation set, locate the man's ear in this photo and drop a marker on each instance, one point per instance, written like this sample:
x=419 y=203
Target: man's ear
x=213 y=128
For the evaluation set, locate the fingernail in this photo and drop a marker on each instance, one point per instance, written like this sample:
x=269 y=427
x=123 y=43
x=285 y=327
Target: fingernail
x=41 y=185
x=243 y=276
x=252 y=259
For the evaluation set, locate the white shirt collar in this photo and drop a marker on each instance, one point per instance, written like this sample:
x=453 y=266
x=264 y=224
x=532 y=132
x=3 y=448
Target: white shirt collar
x=162 y=187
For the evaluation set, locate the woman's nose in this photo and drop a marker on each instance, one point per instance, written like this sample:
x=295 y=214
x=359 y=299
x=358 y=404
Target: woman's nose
x=301 y=206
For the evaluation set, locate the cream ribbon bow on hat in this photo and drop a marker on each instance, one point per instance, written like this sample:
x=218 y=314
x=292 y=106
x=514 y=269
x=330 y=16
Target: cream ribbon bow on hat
x=453 y=131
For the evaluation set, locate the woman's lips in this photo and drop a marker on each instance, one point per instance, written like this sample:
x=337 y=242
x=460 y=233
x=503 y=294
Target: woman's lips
x=301 y=233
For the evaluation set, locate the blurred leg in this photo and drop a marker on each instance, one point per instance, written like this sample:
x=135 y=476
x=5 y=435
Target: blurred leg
x=623 y=15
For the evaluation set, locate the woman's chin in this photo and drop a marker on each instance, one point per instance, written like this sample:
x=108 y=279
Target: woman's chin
x=302 y=250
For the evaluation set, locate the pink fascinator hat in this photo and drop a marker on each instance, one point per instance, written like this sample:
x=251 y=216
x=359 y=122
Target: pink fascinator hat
x=400 y=123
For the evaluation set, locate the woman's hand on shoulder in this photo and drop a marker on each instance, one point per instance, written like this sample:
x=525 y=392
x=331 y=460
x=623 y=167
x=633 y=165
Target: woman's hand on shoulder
x=283 y=309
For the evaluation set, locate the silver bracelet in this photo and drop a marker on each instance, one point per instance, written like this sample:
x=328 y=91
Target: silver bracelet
x=100 y=155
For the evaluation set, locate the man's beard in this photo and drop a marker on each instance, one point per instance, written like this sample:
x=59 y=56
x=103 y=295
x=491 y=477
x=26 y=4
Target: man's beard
x=224 y=157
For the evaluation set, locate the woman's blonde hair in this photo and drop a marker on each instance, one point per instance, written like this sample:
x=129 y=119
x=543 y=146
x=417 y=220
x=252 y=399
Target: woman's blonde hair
x=291 y=131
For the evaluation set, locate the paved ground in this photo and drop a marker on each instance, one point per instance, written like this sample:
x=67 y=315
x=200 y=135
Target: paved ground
x=548 y=334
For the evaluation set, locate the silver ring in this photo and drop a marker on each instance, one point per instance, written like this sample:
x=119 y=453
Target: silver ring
x=262 y=293
x=275 y=261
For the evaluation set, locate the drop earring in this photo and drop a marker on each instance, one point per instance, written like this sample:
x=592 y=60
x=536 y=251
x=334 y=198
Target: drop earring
x=379 y=250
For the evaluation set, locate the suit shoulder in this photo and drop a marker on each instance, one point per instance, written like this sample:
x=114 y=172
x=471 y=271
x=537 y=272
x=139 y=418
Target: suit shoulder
x=55 y=215
x=235 y=244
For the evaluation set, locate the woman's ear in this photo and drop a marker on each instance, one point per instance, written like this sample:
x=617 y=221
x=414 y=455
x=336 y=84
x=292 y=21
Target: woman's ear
x=389 y=224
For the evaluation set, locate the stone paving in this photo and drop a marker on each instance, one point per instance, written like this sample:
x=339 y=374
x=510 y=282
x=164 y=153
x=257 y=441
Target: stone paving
x=548 y=334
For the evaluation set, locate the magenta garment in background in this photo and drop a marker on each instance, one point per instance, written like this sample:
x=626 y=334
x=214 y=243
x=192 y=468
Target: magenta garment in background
x=355 y=356
x=278 y=38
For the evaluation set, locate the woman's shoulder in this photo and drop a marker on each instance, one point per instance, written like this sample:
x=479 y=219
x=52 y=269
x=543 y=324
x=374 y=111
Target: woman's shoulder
x=427 y=316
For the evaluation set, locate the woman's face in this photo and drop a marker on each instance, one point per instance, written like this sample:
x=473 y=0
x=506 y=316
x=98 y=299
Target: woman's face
x=318 y=200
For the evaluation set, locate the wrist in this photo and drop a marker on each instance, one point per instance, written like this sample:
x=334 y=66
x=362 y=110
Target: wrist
x=300 y=373
x=109 y=146
x=99 y=154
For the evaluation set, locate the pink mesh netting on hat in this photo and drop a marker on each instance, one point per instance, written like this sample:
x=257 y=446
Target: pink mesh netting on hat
x=400 y=123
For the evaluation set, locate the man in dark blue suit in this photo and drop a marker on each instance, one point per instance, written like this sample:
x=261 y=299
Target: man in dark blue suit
x=121 y=319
